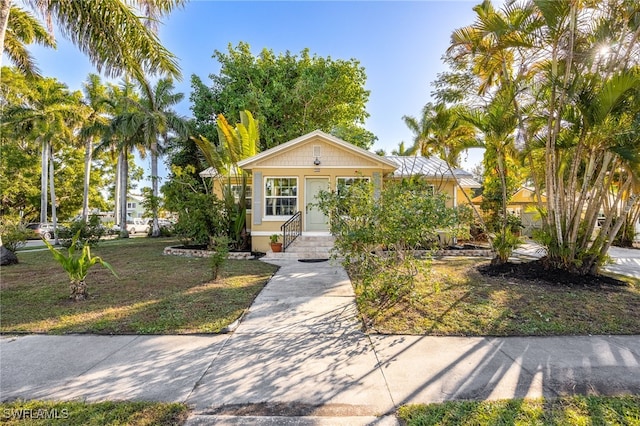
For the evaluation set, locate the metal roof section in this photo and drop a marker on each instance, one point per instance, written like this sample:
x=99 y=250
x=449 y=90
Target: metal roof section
x=429 y=167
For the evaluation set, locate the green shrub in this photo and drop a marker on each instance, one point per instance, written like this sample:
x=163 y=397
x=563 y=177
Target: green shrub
x=384 y=241
x=201 y=214
x=220 y=247
x=14 y=235
x=89 y=232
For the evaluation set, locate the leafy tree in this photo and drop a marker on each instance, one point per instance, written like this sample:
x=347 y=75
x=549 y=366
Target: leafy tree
x=201 y=215
x=289 y=94
x=111 y=32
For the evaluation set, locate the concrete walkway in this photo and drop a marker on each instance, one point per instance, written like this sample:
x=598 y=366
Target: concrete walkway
x=299 y=351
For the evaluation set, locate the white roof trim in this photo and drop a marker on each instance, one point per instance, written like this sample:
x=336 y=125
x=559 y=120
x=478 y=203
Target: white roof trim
x=287 y=145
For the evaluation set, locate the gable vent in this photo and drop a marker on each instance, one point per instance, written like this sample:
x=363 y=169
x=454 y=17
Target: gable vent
x=316 y=151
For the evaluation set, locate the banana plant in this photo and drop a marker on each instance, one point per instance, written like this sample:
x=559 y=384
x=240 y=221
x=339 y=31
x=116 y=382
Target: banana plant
x=77 y=267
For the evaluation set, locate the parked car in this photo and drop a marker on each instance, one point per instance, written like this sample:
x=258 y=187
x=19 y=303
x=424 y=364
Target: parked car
x=41 y=230
x=137 y=225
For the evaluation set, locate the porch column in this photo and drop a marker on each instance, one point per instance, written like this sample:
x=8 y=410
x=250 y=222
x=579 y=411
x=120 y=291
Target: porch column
x=256 y=210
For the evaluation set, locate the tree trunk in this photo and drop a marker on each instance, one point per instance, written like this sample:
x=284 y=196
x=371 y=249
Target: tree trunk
x=54 y=215
x=44 y=183
x=116 y=194
x=155 y=227
x=5 y=8
x=87 y=178
x=124 y=181
x=78 y=291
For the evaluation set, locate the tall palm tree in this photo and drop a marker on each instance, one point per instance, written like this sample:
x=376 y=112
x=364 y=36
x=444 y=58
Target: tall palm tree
x=153 y=118
x=119 y=138
x=111 y=32
x=94 y=125
x=50 y=113
x=23 y=29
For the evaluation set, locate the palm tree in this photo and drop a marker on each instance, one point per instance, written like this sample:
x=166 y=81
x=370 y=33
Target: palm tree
x=119 y=138
x=401 y=150
x=153 y=119
x=110 y=32
x=93 y=126
x=23 y=29
x=49 y=115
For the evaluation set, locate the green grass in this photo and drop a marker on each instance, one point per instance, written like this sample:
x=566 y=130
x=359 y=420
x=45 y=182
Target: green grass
x=154 y=294
x=98 y=414
x=471 y=304
x=575 y=410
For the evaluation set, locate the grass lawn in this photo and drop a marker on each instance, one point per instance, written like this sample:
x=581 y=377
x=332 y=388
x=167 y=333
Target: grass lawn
x=154 y=294
x=575 y=410
x=98 y=414
x=471 y=304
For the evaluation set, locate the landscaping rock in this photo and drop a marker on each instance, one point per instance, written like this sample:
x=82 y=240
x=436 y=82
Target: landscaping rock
x=7 y=257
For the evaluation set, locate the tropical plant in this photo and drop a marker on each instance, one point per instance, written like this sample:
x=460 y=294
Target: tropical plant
x=49 y=114
x=504 y=243
x=571 y=71
x=77 y=267
x=236 y=144
x=22 y=29
x=93 y=126
x=201 y=215
x=152 y=119
x=113 y=33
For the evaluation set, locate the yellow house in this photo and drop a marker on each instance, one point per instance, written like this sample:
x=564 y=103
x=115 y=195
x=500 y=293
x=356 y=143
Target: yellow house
x=286 y=179
x=523 y=204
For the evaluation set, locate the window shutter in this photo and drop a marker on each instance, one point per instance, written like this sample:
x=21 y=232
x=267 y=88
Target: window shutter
x=256 y=211
x=377 y=185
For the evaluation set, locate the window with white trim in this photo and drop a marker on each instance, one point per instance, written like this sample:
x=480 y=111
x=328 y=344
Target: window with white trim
x=236 y=190
x=344 y=183
x=280 y=196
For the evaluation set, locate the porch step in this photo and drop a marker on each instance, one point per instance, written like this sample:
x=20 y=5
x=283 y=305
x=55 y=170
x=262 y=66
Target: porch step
x=306 y=247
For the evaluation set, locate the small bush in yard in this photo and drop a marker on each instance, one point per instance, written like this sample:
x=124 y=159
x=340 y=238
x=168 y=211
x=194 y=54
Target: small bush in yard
x=14 y=235
x=90 y=232
x=383 y=240
x=220 y=247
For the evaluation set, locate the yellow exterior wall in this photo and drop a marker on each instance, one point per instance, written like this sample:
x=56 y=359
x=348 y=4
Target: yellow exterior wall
x=260 y=232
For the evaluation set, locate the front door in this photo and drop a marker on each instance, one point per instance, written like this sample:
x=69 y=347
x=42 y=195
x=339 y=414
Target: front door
x=315 y=220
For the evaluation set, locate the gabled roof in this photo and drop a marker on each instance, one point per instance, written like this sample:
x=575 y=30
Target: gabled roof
x=430 y=167
x=280 y=149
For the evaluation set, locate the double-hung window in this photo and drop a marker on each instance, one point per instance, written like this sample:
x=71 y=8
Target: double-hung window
x=344 y=183
x=280 y=196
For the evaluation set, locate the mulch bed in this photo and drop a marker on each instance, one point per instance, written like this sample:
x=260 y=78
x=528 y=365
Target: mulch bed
x=537 y=271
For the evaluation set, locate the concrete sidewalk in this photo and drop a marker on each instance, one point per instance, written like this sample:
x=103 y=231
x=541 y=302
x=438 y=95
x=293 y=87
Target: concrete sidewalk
x=299 y=351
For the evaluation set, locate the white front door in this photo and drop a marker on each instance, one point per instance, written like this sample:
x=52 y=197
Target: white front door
x=315 y=220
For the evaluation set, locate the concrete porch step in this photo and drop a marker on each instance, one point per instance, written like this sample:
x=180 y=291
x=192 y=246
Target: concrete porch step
x=306 y=247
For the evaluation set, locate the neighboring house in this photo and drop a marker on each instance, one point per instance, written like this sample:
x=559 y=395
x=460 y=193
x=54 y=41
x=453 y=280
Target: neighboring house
x=523 y=204
x=134 y=206
x=286 y=179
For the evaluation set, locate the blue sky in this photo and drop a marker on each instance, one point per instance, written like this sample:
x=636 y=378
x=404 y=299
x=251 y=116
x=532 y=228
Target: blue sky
x=400 y=45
